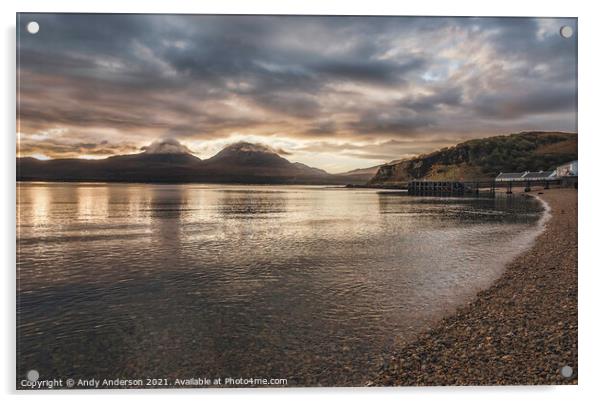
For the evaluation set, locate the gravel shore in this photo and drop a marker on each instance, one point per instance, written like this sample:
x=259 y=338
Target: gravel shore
x=522 y=330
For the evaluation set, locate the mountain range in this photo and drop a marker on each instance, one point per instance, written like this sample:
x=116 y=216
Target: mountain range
x=237 y=163
x=248 y=163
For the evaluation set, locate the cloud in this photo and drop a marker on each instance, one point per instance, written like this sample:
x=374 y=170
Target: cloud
x=525 y=102
x=440 y=97
x=129 y=79
x=383 y=152
x=243 y=146
x=370 y=71
x=396 y=121
x=166 y=146
x=62 y=148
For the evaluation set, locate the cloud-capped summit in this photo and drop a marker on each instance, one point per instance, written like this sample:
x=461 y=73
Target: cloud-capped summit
x=166 y=146
x=246 y=147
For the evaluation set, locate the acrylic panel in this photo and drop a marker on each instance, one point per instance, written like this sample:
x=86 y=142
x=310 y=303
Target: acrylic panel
x=282 y=201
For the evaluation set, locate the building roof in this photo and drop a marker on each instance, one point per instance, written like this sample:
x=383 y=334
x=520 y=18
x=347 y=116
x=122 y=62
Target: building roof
x=542 y=174
x=510 y=175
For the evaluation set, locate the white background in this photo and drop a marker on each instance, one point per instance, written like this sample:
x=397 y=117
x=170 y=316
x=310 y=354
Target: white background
x=590 y=115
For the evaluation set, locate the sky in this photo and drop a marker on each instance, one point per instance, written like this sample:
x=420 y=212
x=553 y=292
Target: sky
x=336 y=93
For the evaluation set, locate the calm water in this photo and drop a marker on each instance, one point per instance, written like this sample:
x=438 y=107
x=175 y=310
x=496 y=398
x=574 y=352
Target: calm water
x=312 y=284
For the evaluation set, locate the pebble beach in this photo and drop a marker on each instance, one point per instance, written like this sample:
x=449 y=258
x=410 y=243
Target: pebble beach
x=520 y=331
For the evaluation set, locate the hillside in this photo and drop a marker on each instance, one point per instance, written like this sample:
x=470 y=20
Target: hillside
x=360 y=175
x=526 y=151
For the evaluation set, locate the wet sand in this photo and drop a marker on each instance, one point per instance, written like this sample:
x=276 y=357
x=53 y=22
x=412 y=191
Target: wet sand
x=522 y=330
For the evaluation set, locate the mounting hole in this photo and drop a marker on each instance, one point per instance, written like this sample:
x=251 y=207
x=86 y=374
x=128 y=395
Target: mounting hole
x=566 y=31
x=33 y=375
x=33 y=27
x=566 y=371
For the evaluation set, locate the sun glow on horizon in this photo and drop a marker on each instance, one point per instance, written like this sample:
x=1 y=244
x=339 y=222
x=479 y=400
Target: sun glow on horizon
x=38 y=156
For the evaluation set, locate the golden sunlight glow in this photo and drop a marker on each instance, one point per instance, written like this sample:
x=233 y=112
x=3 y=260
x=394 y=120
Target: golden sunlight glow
x=39 y=156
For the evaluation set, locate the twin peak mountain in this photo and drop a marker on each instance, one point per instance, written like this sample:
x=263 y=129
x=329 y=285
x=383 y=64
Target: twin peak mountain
x=237 y=163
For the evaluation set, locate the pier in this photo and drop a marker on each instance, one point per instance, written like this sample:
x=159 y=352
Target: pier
x=451 y=188
x=481 y=187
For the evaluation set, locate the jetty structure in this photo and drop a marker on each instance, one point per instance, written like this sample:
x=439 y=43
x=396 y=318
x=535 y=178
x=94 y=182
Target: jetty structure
x=565 y=175
x=451 y=188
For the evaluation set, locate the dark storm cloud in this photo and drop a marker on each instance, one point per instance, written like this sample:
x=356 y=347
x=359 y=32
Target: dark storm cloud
x=394 y=121
x=322 y=127
x=294 y=104
x=451 y=96
x=369 y=70
x=136 y=78
x=511 y=105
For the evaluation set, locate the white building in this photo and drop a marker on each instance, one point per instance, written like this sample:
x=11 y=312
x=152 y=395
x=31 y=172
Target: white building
x=525 y=176
x=568 y=169
x=510 y=176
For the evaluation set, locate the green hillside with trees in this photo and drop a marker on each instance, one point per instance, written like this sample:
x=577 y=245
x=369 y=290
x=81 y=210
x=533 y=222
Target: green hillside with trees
x=526 y=151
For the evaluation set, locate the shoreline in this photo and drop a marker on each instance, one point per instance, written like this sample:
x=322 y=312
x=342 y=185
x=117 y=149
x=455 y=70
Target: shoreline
x=520 y=331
